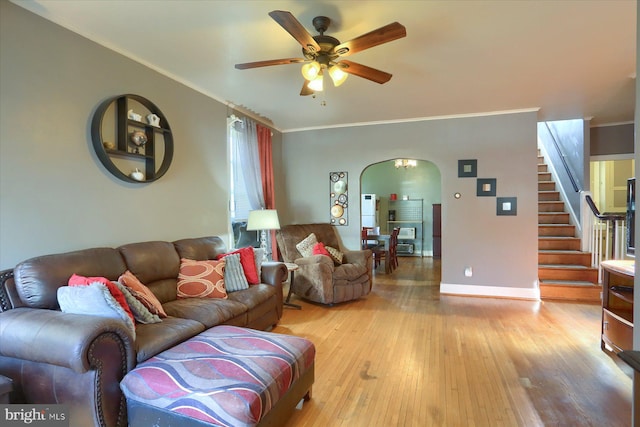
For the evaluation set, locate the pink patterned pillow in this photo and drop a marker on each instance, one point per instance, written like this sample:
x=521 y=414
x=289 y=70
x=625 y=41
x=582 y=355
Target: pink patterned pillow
x=201 y=279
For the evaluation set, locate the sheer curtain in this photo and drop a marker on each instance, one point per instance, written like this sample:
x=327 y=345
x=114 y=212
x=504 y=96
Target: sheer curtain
x=249 y=159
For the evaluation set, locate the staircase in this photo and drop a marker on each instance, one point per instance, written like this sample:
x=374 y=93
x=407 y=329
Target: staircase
x=564 y=271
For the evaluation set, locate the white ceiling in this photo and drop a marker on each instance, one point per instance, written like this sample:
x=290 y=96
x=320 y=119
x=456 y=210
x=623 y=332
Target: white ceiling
x=569 y=59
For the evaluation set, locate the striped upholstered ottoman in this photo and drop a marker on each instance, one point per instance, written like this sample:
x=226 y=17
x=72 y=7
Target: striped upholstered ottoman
x=225 y=376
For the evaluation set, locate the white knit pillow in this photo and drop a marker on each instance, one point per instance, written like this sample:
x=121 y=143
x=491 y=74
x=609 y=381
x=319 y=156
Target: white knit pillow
x=305 y=247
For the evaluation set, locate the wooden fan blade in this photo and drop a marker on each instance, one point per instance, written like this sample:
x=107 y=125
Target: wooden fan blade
x=257 y=64
x=295 y=28
x=364 y=71
x=382 y=35
x=305 y=91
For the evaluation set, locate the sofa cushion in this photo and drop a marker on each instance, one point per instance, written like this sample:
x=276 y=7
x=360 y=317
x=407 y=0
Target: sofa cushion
x=306 y=245
x=335 y=255
x=256 y=295
x=141 y=313
x=258 y=254
x=201 y=279
x=256 y=300
x=248 y=261
x=234 y=278
x=319 y=249
x=200 y=248
x=142 y=293
x=94 y=300
x=349 y=272
x=116 y=293
x=37 y=279
x=208 y=311
x=156 y=264
x=154 y=338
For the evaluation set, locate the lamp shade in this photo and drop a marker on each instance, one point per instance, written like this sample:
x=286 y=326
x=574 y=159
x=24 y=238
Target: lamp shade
x=263 y=219
x=311 y=70
x=316 y=84
x=337 y=75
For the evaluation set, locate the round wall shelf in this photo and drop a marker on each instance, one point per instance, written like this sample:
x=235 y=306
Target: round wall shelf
x=132 y=138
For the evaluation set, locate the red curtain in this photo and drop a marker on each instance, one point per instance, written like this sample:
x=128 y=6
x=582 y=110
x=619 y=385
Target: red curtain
x=268 y=187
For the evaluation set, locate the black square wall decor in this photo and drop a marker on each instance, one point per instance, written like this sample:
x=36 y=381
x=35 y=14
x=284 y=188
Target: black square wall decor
x=467 y=168
x=507 y=206
x=486 y=187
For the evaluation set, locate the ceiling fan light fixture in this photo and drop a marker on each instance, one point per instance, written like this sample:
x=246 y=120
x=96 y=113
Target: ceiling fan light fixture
x=316 y=84
x=337 y=75
x=311 y=70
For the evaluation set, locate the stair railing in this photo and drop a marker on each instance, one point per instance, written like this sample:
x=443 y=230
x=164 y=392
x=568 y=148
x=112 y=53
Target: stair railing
x=606 y=233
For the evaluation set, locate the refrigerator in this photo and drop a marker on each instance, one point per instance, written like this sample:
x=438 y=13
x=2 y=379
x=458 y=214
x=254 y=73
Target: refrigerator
x=369 y=212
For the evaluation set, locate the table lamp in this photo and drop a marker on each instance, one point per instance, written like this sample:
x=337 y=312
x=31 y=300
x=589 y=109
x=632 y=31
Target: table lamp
x=263 y=220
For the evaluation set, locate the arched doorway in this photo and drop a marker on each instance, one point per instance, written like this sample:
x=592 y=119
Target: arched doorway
x=421 y=182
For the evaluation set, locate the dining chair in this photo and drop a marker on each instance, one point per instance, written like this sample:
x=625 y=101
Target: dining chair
x=373 y=245
x=393 y=248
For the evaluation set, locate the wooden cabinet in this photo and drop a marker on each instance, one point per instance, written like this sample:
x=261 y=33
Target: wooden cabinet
x=617 y=305
x=437 y=231
x=112 y=131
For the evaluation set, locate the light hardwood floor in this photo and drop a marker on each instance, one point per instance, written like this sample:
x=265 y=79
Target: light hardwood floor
x=407 y=356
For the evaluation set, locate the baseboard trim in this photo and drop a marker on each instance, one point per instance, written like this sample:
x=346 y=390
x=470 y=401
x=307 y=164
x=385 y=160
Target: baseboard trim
x=490 y=291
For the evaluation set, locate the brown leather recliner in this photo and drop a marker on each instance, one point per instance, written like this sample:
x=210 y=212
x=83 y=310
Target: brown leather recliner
x=318 y=279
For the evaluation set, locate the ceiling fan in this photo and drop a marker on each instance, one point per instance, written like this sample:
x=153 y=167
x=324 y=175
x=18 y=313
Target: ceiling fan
x=322 y=54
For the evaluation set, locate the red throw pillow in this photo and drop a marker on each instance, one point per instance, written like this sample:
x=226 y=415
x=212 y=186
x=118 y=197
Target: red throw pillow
x=248 y=261
x=319 y=249
x=116 y=293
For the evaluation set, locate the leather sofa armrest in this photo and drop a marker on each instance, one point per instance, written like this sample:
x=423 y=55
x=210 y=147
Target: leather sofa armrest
x=70 y=340
x=274 y=273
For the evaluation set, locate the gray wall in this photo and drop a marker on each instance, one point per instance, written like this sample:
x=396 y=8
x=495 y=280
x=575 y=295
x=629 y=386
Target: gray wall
x=55 y=195
x=609 y=140
x=501 y=249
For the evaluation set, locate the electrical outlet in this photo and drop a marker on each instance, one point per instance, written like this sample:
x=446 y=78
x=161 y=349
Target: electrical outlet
x=468 y=272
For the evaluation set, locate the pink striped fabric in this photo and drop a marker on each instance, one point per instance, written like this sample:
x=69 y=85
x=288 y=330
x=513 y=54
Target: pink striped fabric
x=226 y=376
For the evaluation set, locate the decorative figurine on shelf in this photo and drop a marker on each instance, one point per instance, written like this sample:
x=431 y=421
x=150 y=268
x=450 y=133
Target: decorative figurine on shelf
x=134 y=116
x=153 y=120
x=138 y=139
x=108 y=145
x=137 y=175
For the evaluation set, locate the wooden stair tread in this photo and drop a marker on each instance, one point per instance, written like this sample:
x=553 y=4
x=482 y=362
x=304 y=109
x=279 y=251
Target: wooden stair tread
x=566 y=266
x=576 y=283
x=557 y=238
x=561 y=251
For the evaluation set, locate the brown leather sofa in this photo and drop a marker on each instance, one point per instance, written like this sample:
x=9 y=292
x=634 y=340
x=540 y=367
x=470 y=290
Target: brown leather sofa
x=317 y=278
x=79 y=360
